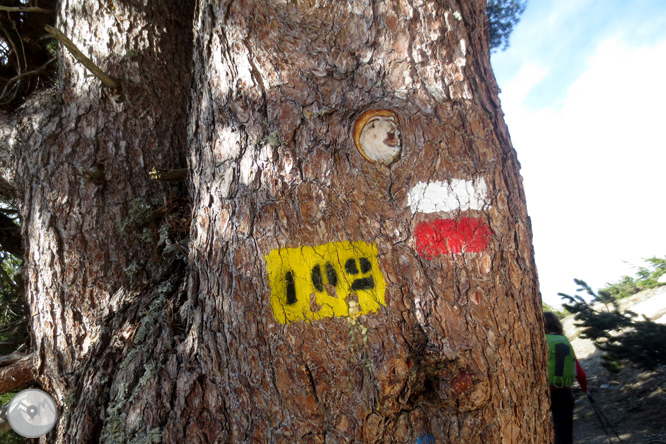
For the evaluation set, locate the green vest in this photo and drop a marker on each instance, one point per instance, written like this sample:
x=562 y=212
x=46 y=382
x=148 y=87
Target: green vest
x=561 y=362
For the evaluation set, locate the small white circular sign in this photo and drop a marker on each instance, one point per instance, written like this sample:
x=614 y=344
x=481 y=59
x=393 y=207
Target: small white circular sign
x=32 y=413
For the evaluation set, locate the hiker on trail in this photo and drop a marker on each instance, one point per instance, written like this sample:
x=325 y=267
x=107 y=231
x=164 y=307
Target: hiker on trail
x=563 y=368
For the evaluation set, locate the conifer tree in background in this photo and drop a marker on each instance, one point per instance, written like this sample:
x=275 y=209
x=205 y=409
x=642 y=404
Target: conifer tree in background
x=619 y=334
x=503 y=15
x=646 y=277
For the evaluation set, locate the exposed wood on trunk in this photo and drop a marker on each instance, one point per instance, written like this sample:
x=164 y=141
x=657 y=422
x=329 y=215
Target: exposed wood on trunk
x=78 y=55
x=18 y=374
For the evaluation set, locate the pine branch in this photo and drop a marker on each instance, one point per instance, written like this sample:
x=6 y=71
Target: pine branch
x=26 y=9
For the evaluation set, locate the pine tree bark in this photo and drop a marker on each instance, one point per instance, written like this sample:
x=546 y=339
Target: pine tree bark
x=81 y=160
x=386 y=294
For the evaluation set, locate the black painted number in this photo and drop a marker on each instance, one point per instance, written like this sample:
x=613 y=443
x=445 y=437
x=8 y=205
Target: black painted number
x=291 y=288
x=366 y=283
x=317 y=279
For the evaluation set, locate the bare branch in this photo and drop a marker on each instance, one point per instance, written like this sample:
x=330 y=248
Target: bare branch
x=26 y=9
x=78 y=55
x=11 y=358
x=9 y=40
x=177 y=175
x=20 y=62
x=12 y=329
x=18 y=374
x=25 y=74
x=5 y=277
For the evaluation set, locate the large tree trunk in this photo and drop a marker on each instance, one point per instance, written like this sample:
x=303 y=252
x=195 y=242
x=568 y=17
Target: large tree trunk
x=91 y=214
x=331 y=294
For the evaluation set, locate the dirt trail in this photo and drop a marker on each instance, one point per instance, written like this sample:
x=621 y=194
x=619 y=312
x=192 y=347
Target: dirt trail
x=634 y=401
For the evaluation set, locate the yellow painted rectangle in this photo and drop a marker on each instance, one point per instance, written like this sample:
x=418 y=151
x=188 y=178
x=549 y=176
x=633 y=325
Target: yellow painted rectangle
x=311 y=283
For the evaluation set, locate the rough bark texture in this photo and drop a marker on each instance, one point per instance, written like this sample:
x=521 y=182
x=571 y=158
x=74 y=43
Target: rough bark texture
x=136 y=350
x=82 y=157
x=455 y=352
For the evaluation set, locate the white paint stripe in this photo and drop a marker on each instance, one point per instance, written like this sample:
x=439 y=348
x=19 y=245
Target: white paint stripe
x=458 y=194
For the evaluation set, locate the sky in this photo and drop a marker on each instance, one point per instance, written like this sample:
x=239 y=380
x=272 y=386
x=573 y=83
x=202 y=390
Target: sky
x=584 y=95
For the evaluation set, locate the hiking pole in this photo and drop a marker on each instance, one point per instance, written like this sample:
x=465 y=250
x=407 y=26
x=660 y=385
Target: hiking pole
x=605 y=423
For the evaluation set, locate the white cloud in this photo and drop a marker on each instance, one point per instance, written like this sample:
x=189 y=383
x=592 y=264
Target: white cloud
x=594 y=165
x=515 y=92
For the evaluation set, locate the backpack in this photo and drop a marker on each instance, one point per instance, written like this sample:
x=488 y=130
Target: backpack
x=561 y=362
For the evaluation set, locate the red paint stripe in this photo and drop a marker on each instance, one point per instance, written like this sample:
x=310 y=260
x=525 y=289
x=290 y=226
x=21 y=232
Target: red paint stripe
x=450 y=236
